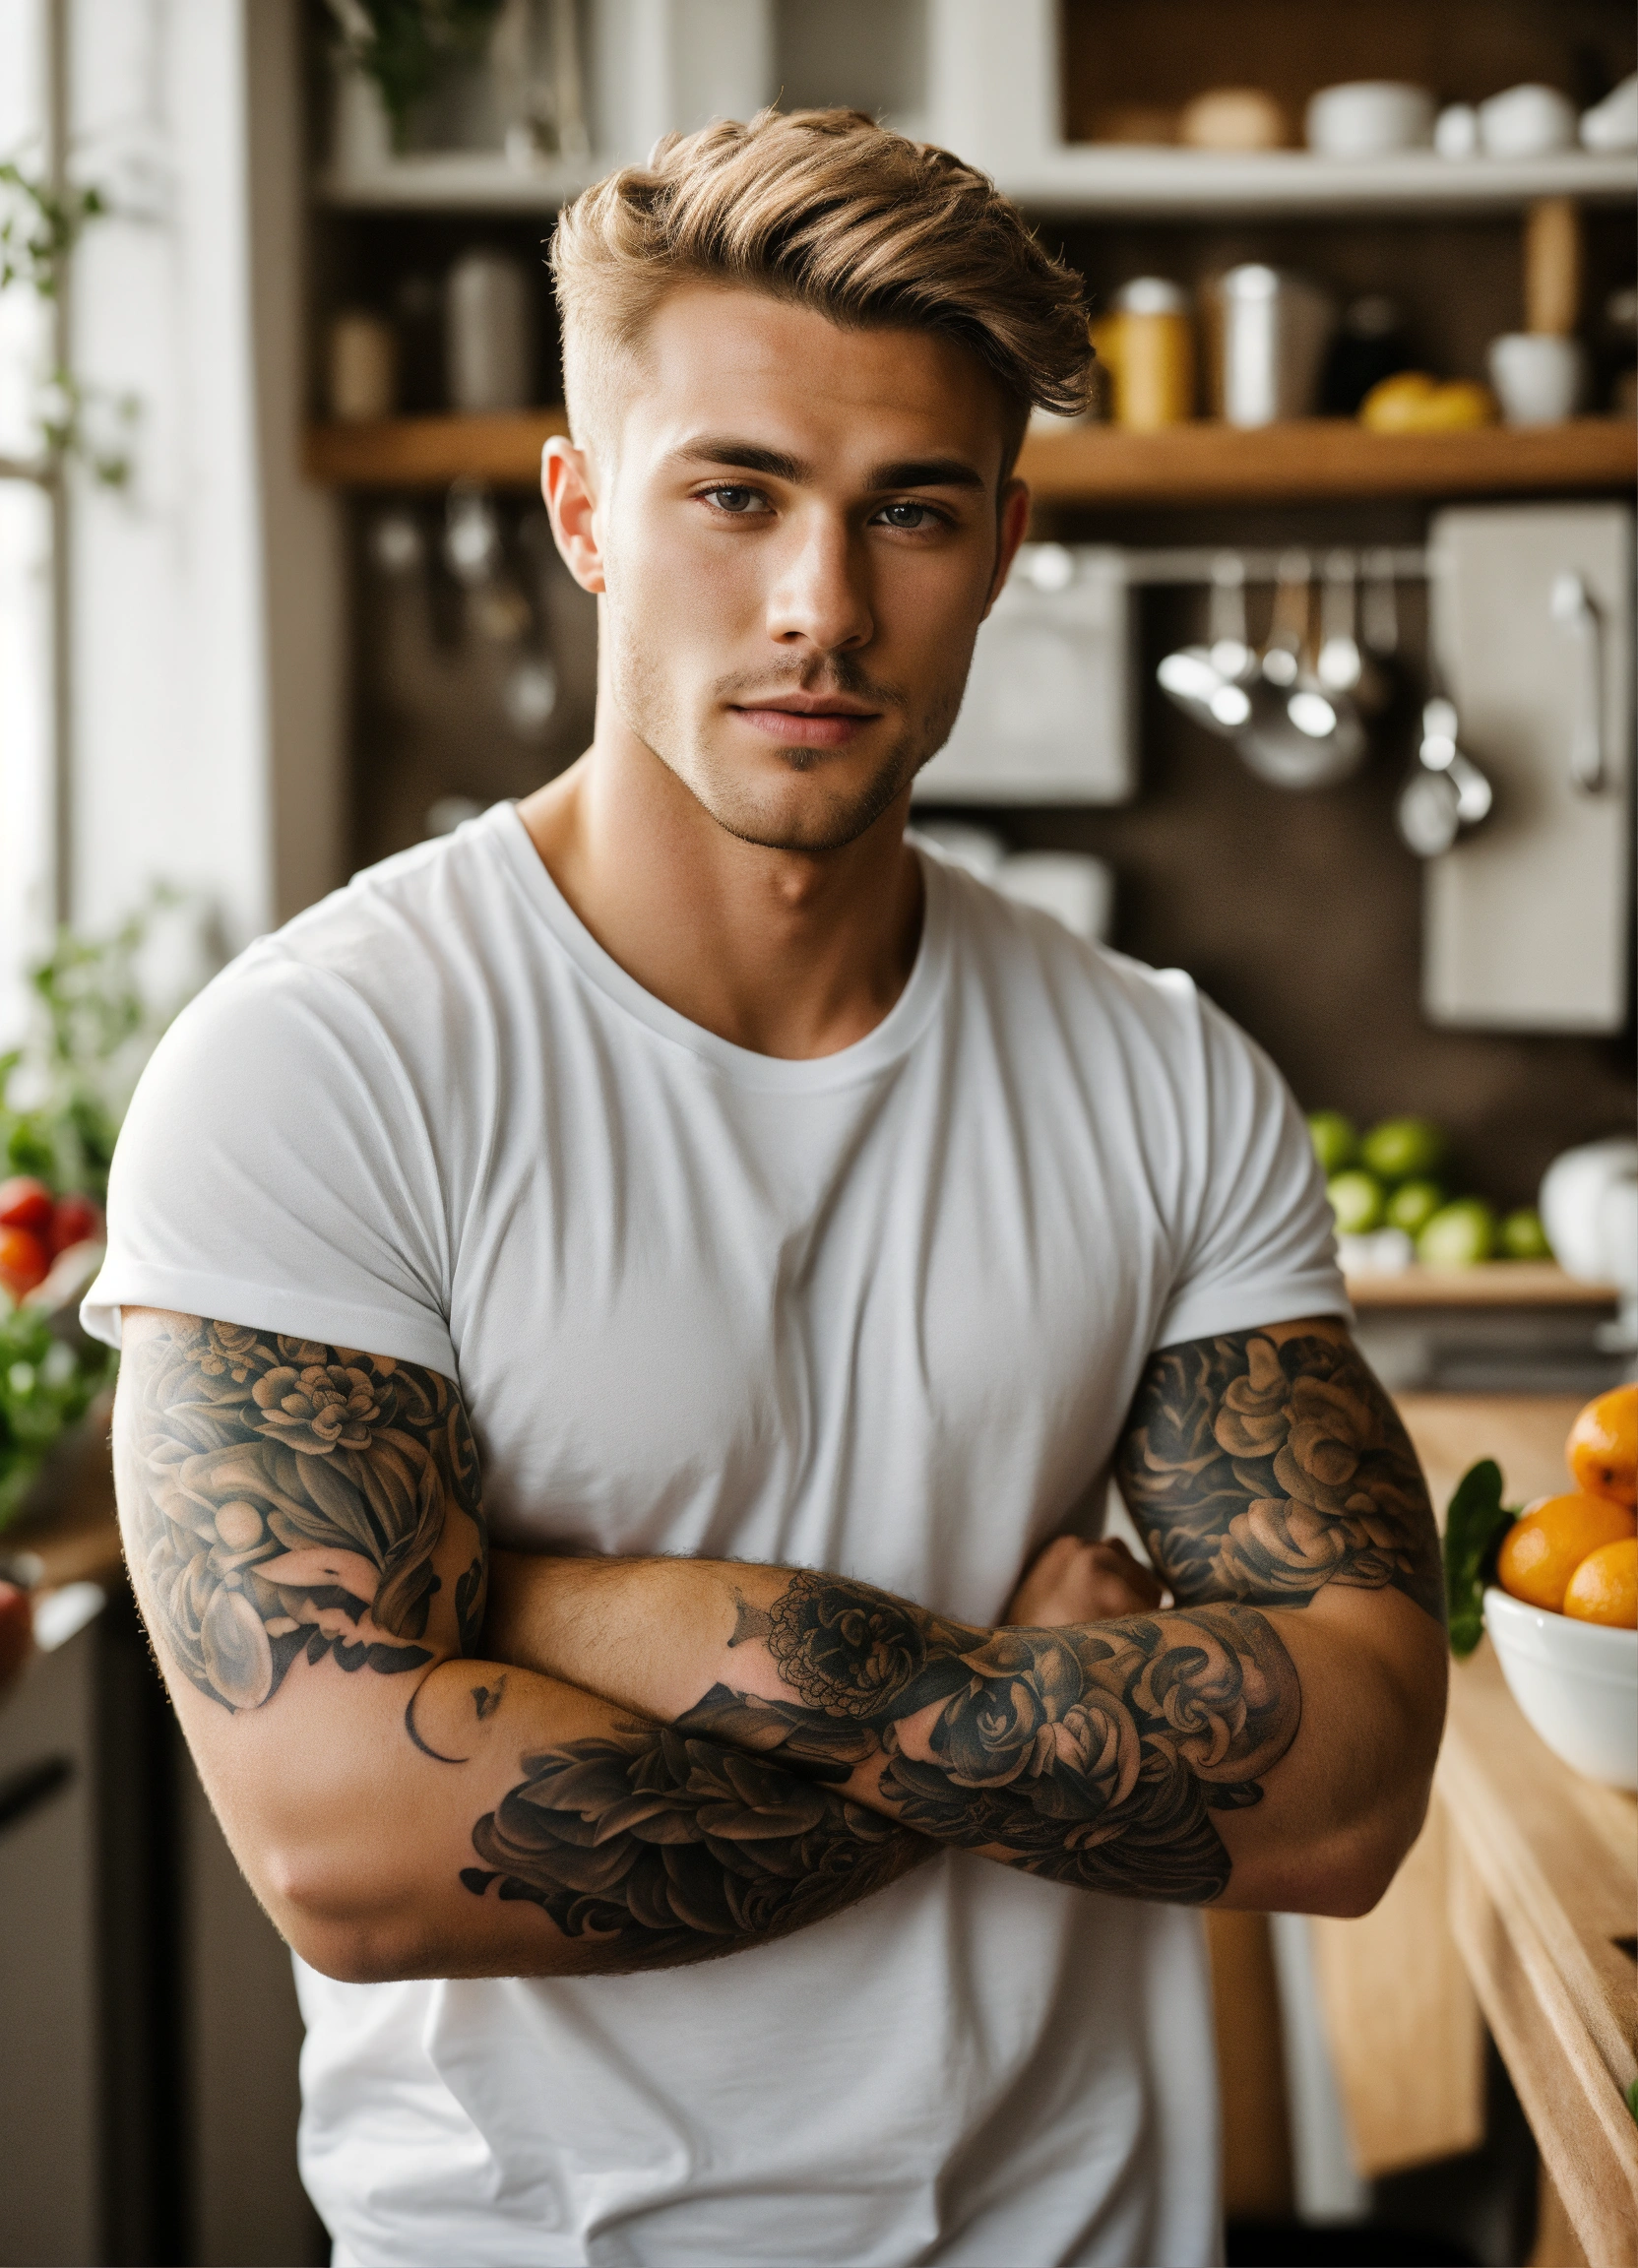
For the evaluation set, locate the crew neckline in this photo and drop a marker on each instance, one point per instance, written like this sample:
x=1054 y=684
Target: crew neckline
x=864 y=1058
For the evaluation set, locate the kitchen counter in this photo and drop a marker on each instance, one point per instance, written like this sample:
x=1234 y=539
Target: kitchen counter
x=1520 y=1894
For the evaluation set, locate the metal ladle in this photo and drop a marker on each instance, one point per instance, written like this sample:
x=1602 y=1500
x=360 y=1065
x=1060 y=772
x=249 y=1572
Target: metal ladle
x=1209 y=682
x=1345 y=664
x=1446 y=796
x=1299 y=735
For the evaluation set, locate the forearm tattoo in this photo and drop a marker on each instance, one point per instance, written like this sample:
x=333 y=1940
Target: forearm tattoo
x=289 y=1499
x=1262 y=1470
x=1092 y=1755
x=669 y=1847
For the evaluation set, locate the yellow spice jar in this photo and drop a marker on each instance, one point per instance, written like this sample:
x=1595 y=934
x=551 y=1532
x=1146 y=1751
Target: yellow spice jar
x=1147 y=343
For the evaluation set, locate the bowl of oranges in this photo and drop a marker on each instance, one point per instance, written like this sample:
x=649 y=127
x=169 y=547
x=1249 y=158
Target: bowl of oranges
x=1562 y=1612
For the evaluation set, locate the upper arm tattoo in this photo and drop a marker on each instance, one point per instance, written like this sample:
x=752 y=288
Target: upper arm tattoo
x=1261 y=1471
x=289 y=1498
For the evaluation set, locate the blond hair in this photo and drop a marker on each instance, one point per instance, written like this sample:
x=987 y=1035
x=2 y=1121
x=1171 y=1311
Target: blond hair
x=831 y=211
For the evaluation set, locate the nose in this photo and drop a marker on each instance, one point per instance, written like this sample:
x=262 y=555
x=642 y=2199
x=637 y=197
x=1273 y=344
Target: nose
x=820 y=596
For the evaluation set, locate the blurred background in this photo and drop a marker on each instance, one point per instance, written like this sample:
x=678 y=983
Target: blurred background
x=1314 y=680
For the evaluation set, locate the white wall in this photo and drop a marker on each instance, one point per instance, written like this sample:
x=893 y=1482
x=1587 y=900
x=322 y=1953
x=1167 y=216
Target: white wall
x=207 y=679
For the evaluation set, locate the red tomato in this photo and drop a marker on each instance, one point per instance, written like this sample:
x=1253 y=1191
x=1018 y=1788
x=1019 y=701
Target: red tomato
x=24 y=1203
x=24 y=1260
x=74 y=1221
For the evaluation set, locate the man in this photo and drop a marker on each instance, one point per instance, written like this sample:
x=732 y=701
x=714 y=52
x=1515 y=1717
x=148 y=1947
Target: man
x=773 y=1238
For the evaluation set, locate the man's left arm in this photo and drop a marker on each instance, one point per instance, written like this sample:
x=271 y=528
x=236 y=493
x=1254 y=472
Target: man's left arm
x=1268 y=1742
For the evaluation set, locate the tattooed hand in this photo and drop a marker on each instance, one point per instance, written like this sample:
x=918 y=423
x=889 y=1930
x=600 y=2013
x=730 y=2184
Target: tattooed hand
x=1264 y=1466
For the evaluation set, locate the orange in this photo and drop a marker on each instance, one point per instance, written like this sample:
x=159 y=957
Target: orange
x=1602 y=1447
x=1543 y=1549
x=1604 y=1587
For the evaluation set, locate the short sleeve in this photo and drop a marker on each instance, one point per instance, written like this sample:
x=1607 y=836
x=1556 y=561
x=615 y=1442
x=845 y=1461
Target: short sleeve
x=1261 y=1245
x=275 y=1171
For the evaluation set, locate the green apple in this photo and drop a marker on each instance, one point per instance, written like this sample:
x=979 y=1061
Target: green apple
x=1459 y=1235
x=1334 y=1140
x=1404 y=1150
x=1523 y=1237
x=1357 y=1201
x=1413 y=1205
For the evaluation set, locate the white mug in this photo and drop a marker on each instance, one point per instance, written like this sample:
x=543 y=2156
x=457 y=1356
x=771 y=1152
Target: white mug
x=1369 y=118
x=1527 y=122
x=1539 y=379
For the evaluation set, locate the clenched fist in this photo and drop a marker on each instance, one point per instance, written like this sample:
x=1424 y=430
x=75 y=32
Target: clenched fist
x=1076 y=1582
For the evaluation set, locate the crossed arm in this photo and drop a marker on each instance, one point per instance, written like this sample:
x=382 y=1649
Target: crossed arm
x=668 y=1759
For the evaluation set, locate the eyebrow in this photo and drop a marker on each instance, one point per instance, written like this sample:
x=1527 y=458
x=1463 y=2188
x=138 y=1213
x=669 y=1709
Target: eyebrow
x=750 y=457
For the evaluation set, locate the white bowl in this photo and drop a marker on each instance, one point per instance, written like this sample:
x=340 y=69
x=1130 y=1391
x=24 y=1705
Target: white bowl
x=1576 y=1682
x=1369 y=118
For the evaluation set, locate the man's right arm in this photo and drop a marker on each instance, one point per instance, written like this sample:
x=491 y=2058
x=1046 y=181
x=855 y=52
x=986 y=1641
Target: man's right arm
x=304 y=1528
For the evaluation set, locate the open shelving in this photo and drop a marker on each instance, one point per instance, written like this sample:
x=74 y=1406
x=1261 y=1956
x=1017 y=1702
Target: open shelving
x=1306 y=461
x=1090 y=180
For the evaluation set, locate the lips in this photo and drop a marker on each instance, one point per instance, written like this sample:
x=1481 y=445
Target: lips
x=808 y=721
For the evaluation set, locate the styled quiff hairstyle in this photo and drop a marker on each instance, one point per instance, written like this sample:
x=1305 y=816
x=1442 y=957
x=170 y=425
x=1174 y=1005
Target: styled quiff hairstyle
x=829 y=210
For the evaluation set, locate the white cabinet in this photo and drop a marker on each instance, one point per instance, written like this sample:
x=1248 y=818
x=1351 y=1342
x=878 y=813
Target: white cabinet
x=1527 y=924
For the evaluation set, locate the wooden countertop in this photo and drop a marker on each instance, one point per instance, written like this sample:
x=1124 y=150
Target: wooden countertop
x=1542 y=1867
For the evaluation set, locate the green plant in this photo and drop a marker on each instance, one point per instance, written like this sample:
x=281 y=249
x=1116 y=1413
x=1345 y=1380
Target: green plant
x=63 y=1092
x=39 y=227
x=48 y=1383
x=404 y=45
x=62 y=1095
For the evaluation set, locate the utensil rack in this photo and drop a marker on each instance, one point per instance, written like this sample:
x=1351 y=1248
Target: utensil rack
x=1197 y=563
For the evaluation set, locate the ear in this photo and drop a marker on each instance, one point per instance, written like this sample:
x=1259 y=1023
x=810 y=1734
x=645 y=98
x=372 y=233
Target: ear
x=1014 y=520
x=568 y=484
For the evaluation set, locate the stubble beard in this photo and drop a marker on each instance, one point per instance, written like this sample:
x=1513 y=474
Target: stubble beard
x=828 y=820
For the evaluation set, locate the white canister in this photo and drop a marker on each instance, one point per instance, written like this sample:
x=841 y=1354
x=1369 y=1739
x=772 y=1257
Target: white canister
x=1540 y=380
x=490 y=334
x=1369 y=118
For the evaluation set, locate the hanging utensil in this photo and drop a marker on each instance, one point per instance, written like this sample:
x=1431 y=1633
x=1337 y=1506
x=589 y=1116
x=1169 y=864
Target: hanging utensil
x=1209 y=682
x=1301 y=735
x=1344 y=665
x=1446 y=796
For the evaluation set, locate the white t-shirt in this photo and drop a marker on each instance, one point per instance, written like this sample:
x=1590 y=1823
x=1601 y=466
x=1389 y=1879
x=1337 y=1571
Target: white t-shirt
x=881 y=1312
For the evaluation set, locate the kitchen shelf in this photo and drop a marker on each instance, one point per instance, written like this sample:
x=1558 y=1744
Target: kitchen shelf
x=1496 y=1283
x=1312 y=460
x=1087 y=178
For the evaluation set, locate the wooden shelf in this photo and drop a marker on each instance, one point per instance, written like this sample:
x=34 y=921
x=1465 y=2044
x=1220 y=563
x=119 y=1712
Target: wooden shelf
x=1319 y=459
x=1312 y=460
x=1498 y=1283
x=1071 y=179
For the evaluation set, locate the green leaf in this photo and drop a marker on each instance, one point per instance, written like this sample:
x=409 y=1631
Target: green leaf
x=1475 y=1525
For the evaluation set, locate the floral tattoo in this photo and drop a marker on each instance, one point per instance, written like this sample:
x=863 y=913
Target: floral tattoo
x=675 y=1847
x=1261 y=1472
x=291 y=1500
x=1092 y=1755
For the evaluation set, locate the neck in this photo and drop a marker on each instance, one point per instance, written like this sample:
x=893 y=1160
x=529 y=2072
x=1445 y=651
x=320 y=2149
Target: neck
x=787 y=953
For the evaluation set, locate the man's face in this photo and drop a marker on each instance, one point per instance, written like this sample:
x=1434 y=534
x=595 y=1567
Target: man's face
x=796 y=541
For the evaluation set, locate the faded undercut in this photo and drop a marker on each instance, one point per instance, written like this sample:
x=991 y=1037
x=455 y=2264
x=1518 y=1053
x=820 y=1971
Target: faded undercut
x=832 y=211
